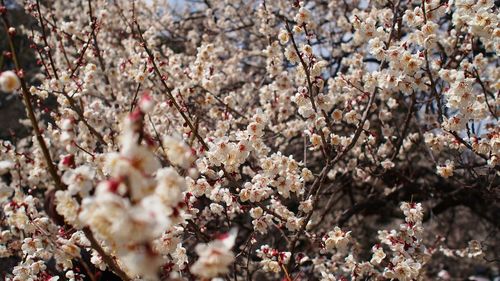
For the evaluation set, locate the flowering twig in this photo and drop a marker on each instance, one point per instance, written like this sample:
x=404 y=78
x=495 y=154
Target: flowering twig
x=29 y=108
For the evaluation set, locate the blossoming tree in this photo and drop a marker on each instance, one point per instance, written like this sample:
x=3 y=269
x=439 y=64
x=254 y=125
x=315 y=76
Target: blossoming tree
x=252 y=140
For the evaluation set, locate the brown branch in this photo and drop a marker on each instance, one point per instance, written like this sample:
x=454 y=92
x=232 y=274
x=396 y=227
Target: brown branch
x=493 y=113
x=105 y=257
x=304 y=65
x=93 y=23
x=405 y=127
x=167 y=88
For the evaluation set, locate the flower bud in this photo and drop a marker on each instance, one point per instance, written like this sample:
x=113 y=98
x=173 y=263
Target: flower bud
x=11 y=31
x=9 y=82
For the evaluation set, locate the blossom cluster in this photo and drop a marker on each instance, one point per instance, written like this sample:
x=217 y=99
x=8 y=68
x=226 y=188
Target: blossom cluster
x=250 y=140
